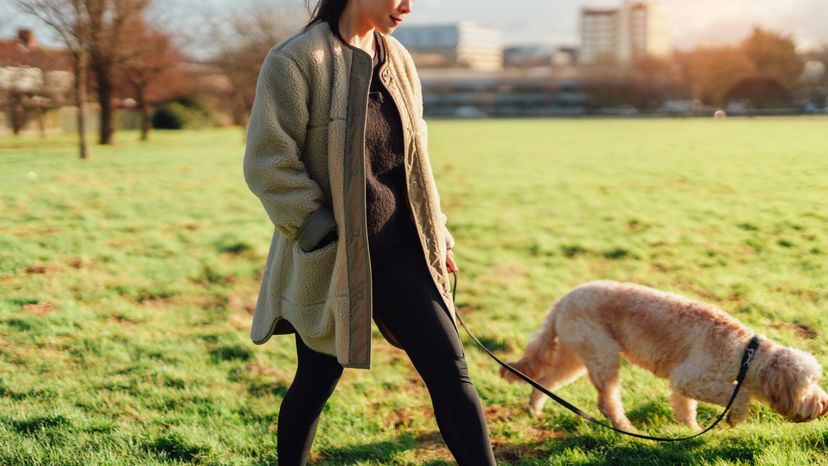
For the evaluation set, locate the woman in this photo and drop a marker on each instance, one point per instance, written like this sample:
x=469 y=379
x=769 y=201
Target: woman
x=336 y=152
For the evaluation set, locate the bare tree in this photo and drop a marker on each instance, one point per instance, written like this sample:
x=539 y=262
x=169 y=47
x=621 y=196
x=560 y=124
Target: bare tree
x=243 y=40
x=153 y=60
x=70 y=20
x=113 y=25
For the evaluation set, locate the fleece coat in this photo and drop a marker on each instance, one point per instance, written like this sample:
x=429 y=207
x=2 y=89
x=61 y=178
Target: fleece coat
x=305 y=161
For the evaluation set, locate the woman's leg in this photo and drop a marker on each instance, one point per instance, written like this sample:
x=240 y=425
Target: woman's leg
x=316 y=377
x=406 y=301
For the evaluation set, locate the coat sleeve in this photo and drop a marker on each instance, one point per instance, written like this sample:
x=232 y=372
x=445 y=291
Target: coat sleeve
x=273 y=167
x=424 y=131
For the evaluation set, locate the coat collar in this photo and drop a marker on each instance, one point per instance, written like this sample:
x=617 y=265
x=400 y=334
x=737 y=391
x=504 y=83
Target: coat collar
x=379 y=40
x=338 y=45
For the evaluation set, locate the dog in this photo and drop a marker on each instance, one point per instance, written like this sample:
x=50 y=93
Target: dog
x=696 y=345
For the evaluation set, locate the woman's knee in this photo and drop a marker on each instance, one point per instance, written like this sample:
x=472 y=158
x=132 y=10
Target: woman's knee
x=444 y=370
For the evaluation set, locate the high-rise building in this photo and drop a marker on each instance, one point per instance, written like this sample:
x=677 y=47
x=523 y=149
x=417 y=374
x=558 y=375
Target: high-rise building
x=457 y=45
x=620 y=35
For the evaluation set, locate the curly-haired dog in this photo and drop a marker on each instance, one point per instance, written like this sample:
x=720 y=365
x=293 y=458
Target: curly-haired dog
x=697 y=346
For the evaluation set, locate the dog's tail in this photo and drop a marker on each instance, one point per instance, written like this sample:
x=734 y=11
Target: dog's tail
x=539 y=351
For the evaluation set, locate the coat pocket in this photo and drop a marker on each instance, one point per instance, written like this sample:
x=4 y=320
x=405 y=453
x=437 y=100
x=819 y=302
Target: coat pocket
x=309 y=277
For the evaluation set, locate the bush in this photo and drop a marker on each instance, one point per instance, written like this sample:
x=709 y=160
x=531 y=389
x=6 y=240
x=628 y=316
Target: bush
x=167 y=118
x=184 y=113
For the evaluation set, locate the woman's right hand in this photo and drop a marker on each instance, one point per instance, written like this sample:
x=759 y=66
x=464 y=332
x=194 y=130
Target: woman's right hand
x=328 y=239
x=451 y=266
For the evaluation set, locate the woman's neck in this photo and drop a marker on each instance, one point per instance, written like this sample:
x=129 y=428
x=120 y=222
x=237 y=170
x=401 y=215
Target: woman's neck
x=355 y=30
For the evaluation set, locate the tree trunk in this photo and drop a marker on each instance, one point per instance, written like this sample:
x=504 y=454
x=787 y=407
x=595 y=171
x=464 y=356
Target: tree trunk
x=40 y=123
x=240 y=112
x=17 y=113
x=105 y=101
x=146 y=123
x=80 y=101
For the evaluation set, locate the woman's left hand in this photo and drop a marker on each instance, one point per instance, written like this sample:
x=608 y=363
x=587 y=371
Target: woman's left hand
x=451 y=266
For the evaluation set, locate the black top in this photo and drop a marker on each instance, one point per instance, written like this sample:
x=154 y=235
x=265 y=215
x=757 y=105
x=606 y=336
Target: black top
x=390 y=224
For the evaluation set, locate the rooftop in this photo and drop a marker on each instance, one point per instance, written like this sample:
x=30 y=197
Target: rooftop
x=24 y=51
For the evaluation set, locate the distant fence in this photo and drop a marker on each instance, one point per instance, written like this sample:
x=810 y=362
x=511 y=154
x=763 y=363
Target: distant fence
x=65 y=119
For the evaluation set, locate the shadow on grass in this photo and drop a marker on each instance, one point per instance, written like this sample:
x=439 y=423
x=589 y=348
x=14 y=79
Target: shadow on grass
x=651 y=412
x=377 y=451
x=51 y=430
x=493 y=344
x=39 y=423
x=605 y=451
x=177 y=447
x=267 y=388
x=380 y=452
x=588 y=448
x=606 y=447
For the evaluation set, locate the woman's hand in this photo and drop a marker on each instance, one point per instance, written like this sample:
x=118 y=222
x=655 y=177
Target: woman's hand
x=451 y=266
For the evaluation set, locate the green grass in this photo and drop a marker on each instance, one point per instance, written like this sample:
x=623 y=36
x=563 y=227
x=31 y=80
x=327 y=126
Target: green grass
x=127 y=282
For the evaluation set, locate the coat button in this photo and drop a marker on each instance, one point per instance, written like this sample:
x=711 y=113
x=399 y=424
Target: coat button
x=356 y=232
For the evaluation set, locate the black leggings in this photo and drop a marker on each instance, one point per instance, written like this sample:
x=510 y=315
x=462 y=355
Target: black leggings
x=408 y=304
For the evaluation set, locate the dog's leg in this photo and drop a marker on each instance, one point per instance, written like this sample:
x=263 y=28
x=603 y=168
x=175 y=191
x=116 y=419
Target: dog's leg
x=693 y=384
x=684 y=409
x=601 y=355
x=607 y=382
x=604 y=364
x=565 y=369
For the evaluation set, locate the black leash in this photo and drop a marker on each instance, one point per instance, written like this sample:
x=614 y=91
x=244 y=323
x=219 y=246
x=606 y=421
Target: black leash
x=747 y=357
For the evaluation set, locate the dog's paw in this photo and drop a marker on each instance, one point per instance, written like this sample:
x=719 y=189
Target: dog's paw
x=739 y=411
x=735 y=416
x=732 y=420
x=535 y=411
x=626 y=426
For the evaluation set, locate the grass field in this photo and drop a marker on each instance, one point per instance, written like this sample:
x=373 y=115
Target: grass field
x=127 y=283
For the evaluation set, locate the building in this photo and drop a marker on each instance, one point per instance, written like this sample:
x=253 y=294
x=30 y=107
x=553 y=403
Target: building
x=27 y=67
x=538 y=55
x=621 y=35
x=457 y=45
x=33 y=80
x=509 y=92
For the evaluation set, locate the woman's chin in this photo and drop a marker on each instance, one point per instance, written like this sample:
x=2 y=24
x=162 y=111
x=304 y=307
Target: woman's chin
x=388 y=26
x=385 y=29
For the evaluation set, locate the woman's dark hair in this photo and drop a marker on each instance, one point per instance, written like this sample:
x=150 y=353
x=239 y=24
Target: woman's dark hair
x=326 y=10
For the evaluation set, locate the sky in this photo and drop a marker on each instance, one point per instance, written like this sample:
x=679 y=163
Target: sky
x=692 y=22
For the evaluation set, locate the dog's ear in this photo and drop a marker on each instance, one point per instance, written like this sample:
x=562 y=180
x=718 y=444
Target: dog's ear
x=785 y=377
x=525 y=366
